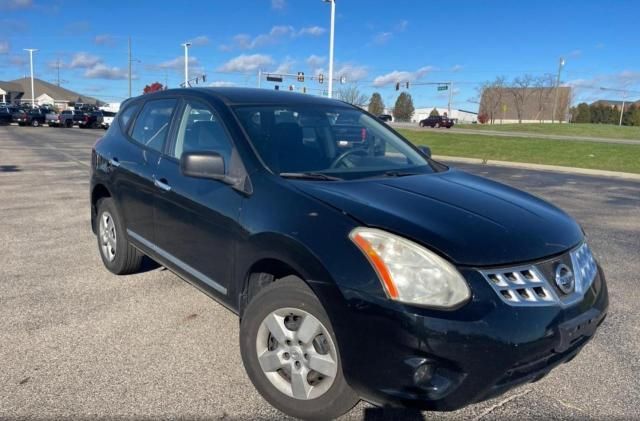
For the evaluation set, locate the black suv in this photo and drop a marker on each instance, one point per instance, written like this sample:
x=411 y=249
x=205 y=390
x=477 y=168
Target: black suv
x=437 y=121
x=371 y=272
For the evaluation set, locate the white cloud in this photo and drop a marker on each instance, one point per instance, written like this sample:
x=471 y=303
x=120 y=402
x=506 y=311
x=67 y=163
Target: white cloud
x=314 y=61
x=314 y=31
x=457 y=68
x=246 y=63
x=104 y=39
x=16 y=4
x=4 y=47
x=351 y=72
x=102 y=71
x=178 y=63
x=382 y=38
x=402 y=25
x=575 y=53
x=285 y=66
x=200 y=40
x=276 y=34
x=401 y=76
x=84 y=60
x=222 y=84
x=278 y=4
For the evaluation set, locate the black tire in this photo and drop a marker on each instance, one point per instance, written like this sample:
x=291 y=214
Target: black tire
x=291 y=292
x=421 y=124
x=35 y=123
x=68 y=124
x=127 y=258
x=21 y=124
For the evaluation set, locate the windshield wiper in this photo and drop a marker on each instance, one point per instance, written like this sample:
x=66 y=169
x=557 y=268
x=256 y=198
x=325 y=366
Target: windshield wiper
x=399 y=173
x=309 y=176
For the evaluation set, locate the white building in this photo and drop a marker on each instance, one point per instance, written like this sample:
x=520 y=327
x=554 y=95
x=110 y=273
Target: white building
x=459 y=116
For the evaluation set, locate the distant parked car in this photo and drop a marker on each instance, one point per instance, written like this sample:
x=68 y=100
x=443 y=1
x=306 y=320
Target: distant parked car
x=437 y=121
x=91 y=120
x=29 y=117
x=385 y=117
x=107 y=119
x=68 y=118
x=5 y=115
x=52 y=118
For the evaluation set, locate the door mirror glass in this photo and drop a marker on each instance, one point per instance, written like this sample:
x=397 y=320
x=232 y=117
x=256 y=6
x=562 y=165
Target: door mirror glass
x=426 y=151
x=203 y=165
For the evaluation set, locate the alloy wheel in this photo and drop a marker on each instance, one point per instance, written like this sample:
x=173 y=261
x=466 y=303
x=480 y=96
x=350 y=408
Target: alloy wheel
x=108 y=240
x=296 y=353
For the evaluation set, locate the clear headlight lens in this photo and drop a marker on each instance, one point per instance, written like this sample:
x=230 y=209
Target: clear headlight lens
x=409 y=272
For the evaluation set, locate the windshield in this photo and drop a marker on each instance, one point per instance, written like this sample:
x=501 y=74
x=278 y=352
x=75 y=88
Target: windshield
x=338 y=141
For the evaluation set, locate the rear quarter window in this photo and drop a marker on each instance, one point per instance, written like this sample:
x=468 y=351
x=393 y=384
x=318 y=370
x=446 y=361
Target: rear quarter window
x=126 y=114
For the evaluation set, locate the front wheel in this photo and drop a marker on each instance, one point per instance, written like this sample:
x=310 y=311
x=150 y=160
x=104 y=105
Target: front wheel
x=35 y=123
x=117 y=254
x=290 y=352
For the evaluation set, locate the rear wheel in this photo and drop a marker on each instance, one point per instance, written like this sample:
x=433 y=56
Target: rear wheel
x=35 y=123
x=117 y=254
x=437 y=125
x=68 y=124
x=421 y=124
x=290 y=352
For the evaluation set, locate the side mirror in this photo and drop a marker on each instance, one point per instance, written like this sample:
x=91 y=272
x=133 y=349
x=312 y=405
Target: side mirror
x=425 y=150
x=203 y=165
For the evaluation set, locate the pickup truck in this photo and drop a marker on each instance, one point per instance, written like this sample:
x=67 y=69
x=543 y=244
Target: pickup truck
x=107 y=119
x=31 y=116
x=68 y=118
x=91 y=120
x=52 y=119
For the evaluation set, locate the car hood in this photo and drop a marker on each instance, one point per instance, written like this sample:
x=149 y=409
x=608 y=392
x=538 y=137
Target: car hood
x=471 y=220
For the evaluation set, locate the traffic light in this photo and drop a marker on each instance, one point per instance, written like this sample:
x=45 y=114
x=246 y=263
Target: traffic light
x=407 y=85
x=204 y=78
x=304 y=89
x=300 y=77
x=291 y=87
x=397 y=86
x=277 y=88
x=320 y=78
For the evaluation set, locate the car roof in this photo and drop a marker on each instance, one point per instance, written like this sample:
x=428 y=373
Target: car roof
x=253 y=96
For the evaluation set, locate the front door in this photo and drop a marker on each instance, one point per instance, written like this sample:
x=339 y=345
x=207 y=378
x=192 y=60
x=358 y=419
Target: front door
x=196 y=220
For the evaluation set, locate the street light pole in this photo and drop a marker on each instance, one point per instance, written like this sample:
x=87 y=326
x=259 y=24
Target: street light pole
x=186 y=46
x=331 y=34
x=33 y=96
x=555 y=102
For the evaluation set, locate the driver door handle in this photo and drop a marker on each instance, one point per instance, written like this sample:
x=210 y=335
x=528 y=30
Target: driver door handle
x=161 y=184
x=114 y=162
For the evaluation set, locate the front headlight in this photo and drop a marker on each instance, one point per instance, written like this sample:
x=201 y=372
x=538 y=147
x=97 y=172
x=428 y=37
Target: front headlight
x=409 y=272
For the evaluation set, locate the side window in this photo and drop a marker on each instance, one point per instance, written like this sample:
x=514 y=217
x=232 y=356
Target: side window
x=201 y=130
x=126 y=115
x=152 y=125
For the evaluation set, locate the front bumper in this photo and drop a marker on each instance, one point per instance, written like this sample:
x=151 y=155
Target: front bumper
x=468 y=355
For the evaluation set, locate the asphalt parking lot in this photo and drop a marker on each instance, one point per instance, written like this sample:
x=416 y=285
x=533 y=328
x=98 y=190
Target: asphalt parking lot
x=77 y=341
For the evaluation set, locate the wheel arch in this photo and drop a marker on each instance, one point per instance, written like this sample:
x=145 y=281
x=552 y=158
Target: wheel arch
x=99 y=191
x=269 y=257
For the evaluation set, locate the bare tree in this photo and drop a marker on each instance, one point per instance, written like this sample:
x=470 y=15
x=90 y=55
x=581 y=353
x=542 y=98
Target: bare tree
x=491 y=98
x=544 y=90
x=352 y=95
x=565 y=99
x=521 y=92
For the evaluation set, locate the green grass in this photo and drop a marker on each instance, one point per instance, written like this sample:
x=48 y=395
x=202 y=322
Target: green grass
x=602 y=156
x=583 y=130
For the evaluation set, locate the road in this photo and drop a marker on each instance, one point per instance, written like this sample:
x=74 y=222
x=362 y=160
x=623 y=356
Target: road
x=76 y=341
x=499 y=133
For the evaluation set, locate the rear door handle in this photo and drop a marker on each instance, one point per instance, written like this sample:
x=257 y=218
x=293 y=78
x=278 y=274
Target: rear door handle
x=161 y=184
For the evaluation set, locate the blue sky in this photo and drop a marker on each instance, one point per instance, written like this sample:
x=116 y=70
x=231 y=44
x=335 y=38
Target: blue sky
x=377 y=43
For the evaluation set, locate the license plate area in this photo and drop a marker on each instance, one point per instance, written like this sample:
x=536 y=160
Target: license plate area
x=584 y=325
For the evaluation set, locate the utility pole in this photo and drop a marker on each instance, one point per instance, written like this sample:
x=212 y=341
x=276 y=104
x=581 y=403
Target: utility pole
x=33 y=95
x=331 y=40
x=58 y=68
x=555 y=102
x=129 y=66
x=449 y=105
x=186 y=46
x=259 y=77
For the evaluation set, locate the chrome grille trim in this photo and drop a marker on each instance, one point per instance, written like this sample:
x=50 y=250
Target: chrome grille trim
x=527 y=286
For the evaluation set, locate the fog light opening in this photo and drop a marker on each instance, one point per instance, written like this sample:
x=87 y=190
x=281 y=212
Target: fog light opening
x=423 y=374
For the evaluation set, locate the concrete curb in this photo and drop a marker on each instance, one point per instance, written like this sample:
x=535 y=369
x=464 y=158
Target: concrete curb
x=540 y=167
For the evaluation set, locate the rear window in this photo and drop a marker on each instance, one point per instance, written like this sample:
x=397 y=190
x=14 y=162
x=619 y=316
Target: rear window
x=152 y=124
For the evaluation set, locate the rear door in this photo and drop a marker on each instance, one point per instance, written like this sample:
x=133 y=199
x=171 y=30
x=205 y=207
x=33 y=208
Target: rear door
x=197 y=219
x=134 y=162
